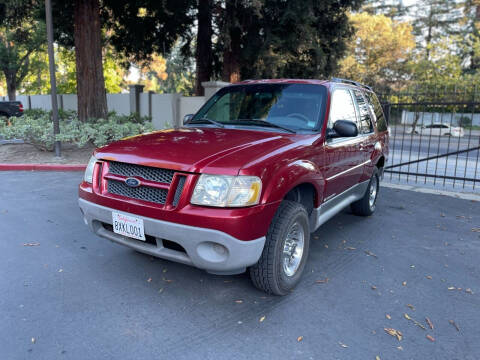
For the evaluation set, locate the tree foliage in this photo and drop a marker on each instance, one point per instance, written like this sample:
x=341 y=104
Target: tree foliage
x=275 y=38
x=379 y=52
x=20 y=36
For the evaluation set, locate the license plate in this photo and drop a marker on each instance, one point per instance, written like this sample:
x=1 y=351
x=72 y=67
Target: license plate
x=127 y=225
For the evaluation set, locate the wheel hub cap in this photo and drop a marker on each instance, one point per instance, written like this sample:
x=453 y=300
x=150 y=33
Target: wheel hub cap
x=293 y=249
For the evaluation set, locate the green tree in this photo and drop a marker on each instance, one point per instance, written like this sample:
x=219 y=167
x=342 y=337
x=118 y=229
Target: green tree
x=394 y=9
x=20 y=36
x=276 y=38
x=434 y=19
x=379 y=53
x=470 y=35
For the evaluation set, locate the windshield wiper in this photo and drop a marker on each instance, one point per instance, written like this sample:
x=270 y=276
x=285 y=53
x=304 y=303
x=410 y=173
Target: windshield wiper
x=197 y=121
x=261 y=122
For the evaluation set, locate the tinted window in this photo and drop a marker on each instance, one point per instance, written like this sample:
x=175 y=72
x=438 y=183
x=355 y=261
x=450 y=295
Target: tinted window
x=365 y=123
x=294 y=106
x=380 y=120
x=342 y=107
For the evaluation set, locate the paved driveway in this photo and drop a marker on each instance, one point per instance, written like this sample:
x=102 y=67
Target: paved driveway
x=75 y=296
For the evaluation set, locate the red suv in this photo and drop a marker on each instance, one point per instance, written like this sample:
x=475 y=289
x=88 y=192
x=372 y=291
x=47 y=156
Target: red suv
x=245 y=180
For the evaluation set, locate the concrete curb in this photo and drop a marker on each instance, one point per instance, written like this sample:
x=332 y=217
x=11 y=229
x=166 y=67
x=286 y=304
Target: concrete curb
x=41 y=167
x=458 y=195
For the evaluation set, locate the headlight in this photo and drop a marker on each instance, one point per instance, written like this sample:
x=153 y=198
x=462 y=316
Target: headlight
x=227 y=191
x=89 y=170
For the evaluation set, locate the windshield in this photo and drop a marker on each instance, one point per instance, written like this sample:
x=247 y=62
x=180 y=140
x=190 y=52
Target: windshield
x=297 y=107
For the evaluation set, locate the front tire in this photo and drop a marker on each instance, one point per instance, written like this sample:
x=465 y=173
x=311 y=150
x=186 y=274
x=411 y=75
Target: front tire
x=366 y=206
x=283 y=259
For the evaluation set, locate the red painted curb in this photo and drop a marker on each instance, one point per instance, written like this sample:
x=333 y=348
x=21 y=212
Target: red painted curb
x=41 y=167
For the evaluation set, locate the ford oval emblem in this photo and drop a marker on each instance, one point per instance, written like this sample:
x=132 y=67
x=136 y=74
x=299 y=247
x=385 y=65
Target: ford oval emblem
x=132 y=182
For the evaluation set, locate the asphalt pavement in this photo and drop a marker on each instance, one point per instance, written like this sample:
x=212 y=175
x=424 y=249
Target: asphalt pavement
x=66 y=294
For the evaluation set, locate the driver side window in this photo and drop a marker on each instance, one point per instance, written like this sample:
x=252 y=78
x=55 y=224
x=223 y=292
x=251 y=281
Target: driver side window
x=341 y=107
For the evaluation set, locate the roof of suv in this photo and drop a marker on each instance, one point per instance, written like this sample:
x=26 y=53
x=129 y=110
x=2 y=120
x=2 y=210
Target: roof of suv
x=305 y=81
x=283 y=81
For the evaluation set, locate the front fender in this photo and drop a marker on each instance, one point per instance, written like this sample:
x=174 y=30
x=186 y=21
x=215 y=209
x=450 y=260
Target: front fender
x=288 y=177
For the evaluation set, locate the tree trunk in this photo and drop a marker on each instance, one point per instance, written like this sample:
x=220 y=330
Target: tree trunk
x=92 y=100
x=203 y=52
x=232 y=52
x=11 y=86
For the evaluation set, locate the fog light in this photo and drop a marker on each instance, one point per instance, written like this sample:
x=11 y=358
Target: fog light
x=212 y=252
x=220 y=249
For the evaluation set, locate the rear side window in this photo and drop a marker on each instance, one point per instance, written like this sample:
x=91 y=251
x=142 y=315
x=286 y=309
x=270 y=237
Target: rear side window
x=365 y=122
x=377 y=110
x=342 y=107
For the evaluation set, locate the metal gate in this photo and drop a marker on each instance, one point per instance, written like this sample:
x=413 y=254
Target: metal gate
x=434 y=138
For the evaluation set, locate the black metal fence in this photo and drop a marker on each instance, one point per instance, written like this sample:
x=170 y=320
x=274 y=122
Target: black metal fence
x=434 y=137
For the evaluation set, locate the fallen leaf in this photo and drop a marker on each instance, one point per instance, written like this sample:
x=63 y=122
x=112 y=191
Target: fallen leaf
x=149 y=280
x=31 y=244
x=33 y=340
x=404 y=283
x=300 y=338
x=239 y=301
x=395 y=333
x=160 y=291
x=369 y=253
x=451 y=288
x=411 y=306
x=343 y=345
x=262 y=318
x=430 y=337
x=429 y=322
x=60 y=270
x=400 y=348
x=377 y=357
x=454 y=324
x=374 y=287
x=323 y=281
x=167 y=280
x=388 y=316
x=350 y=248
x=412 y=266
x=428 y=277
x=442 y=215
x=326 y=246
x=414 y=321
x=469 y=291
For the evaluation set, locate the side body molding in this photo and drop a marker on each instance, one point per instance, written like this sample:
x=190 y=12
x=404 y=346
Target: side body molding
x=334 y=205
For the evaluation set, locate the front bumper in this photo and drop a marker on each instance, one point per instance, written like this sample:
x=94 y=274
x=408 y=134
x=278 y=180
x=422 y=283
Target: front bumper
x=209 y=249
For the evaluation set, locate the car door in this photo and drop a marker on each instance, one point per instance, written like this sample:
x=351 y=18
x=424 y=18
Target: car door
x=365 y=125
x=370 y=139
x=343 y=158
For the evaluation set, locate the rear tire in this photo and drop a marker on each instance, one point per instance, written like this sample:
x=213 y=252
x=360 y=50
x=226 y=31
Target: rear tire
x=367 y=204
x=283 y=259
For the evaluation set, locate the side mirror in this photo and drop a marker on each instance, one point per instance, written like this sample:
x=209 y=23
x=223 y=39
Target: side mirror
x=187 y=118
x=345 y=128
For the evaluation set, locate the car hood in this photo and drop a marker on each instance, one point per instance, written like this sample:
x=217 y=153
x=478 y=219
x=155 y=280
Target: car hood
x=199 y=149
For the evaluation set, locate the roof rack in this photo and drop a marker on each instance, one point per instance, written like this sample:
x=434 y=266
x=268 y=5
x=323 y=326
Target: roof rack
x=351 y=82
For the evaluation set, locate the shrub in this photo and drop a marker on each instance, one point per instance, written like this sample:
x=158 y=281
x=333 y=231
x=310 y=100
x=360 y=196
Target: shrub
x=465 y=121
x=35 y=127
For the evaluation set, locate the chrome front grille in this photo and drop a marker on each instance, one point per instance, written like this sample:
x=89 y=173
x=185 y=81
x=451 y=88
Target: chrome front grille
x=146 y=172
x=145 y=193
